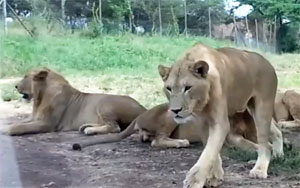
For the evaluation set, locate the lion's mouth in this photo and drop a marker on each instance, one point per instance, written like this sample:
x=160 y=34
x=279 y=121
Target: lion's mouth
x=178 y=117
x=183 y=120
x=26 y=96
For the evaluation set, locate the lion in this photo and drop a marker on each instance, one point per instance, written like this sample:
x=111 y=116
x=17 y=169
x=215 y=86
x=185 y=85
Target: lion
x=158 y=127
x=57 y=106
x=214 y=84
x=287 y=109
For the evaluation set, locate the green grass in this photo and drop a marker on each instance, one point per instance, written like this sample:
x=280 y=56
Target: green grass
x=290 y=163
x=126 y=54
x=8 y=92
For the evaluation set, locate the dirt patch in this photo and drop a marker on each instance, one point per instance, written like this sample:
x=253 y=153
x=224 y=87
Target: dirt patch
x=46 y=160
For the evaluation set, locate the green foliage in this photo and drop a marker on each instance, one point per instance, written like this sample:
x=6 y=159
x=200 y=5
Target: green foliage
x=9 y=93
x=95 y=30
x=289 y=9
x=289 y=38
x=287 y=13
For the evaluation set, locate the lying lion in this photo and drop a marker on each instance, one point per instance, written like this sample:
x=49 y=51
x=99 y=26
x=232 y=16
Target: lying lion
x=214 y=84
x=287 y=109
x=158 y=126
x=57 y=106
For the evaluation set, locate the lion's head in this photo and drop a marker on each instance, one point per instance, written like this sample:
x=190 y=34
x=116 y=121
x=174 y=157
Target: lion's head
x=36 y=80
x=24 y=86
x=187 y=87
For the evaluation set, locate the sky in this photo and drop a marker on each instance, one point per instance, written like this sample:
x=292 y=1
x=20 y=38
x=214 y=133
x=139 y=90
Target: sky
x=241 y=11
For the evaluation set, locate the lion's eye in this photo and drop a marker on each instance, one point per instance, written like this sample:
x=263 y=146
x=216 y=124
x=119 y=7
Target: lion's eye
x=187 y=88
x=169 y=89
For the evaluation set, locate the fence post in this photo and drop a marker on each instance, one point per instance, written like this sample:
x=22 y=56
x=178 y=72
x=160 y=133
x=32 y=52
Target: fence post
x=209 y=22
x=256 y=33
x=235 y=29
x=159 y=16
x=275 y=32
x=264 y=31
x=19 y=20
x=247 y=26
x=100 y=12
x=270 y=34
x=130 y=16
x=63 y=16
x=4 y=16
x=185 y=18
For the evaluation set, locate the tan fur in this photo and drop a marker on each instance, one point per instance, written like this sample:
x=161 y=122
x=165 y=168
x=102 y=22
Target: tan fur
x=158 y=126
x=57 y=106
x=287 y=109
x=214 y=84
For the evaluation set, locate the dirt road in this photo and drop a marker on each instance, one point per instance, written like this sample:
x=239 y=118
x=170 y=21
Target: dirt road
x=46 y=160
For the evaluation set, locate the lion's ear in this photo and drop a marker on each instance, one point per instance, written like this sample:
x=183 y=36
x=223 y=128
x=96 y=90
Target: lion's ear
x=200 y=69
x=40 y=76
x=164 y=72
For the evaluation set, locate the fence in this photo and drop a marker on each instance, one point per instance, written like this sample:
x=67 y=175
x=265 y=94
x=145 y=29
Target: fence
x=161 y=17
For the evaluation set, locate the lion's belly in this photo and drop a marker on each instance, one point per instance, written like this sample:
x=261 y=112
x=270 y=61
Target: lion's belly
x=75 y=116
x=247 y=75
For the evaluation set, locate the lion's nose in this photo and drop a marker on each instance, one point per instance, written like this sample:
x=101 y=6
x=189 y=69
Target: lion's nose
x=176 y=111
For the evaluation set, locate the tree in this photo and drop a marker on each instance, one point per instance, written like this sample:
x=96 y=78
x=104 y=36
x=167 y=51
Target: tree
x=288 y=9
x=287 y=12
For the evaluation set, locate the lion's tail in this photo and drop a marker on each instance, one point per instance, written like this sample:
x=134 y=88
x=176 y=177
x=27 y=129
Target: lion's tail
x=106 y=138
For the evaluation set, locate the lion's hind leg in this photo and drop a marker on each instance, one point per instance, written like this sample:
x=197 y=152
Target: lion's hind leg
x=92 y=129
x=240 y=142
x=261 y=109
x=277 y=140
x=165 y=142
x=289 y=124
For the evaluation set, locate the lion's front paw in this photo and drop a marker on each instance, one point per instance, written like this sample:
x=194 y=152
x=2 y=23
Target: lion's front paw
x=89 y=131
x=216 y=178
x=83 y=127
x=183 y=143
x=214 y=182
x=258 y=173
x=194 y=178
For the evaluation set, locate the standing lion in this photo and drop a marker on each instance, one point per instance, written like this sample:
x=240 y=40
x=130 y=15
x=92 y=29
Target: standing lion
x=214 y=84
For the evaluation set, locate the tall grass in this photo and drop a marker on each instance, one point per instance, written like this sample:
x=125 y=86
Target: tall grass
x=118 y=54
